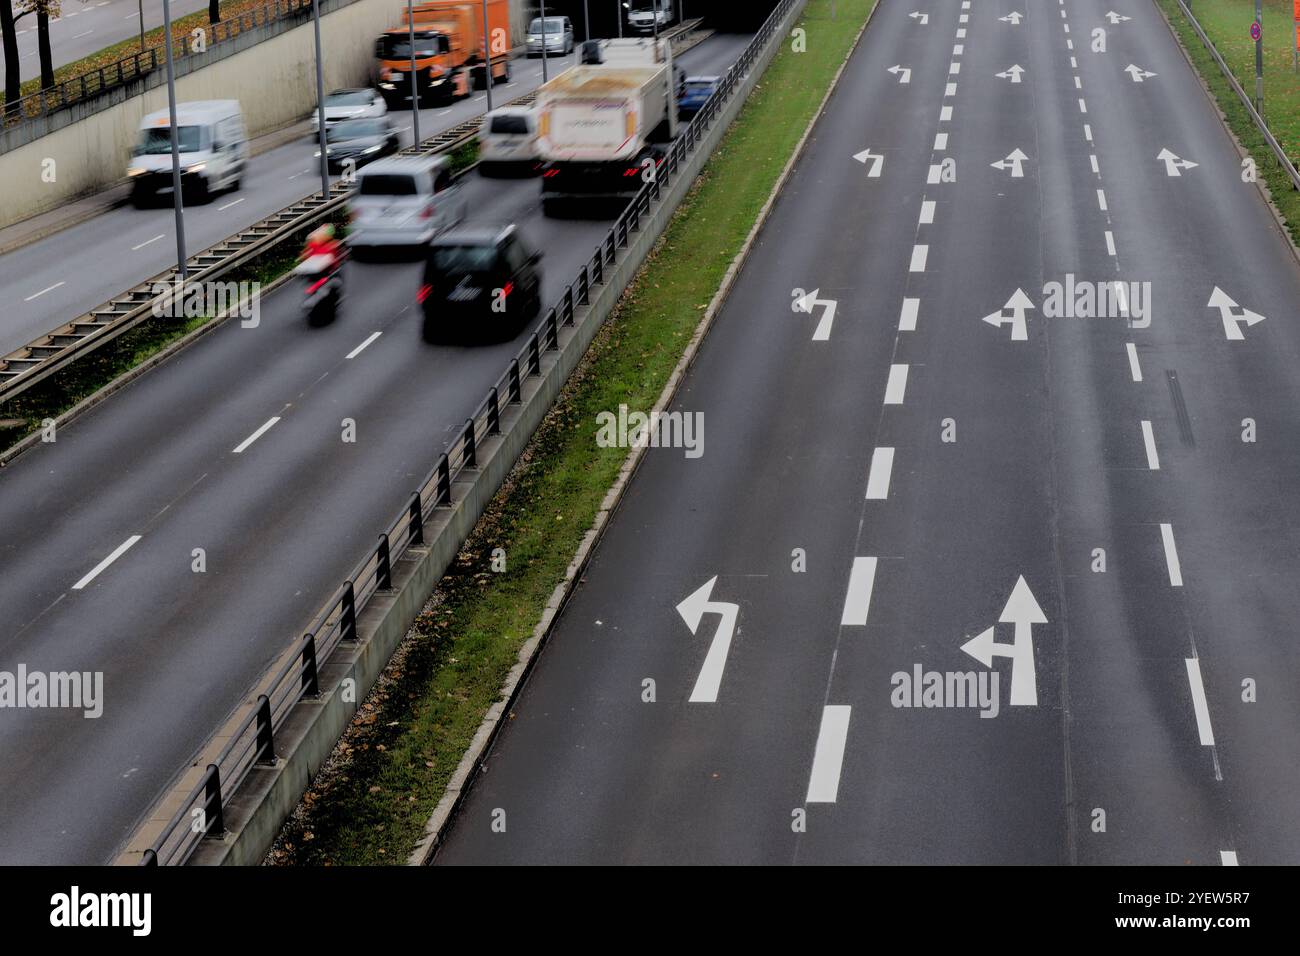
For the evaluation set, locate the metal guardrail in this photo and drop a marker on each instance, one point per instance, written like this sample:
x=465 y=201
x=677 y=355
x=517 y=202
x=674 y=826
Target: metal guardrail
x=130 y=68
x=1278 y=152
x=253 y=741
x=25 y=366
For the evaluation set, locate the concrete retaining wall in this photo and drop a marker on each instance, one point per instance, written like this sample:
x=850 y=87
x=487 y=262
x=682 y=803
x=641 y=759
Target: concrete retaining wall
x=269 y=794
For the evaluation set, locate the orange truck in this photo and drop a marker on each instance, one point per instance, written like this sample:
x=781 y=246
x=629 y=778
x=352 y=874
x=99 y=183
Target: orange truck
x=449 y=61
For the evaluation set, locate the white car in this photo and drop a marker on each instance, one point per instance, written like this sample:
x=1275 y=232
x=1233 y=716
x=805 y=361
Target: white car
x=508 y=139
x=350 y=104
x=403 y=201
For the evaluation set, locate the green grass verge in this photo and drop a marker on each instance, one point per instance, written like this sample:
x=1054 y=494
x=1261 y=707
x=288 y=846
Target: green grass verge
x=1227 y=23
x=52 y=397
x=370 y=804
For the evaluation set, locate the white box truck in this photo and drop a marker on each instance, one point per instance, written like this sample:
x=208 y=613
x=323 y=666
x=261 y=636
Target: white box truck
x=649 y=16
x=603 y=125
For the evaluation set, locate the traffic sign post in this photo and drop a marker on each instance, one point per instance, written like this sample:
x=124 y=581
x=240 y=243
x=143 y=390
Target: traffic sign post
x=1257 y=34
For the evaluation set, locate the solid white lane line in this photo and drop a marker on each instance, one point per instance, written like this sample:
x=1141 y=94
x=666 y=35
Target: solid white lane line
x=945 y=114
x=1101 y=199
x=828 y=758
x=927 y=212
x=1228 y=857
x=1110 y=242
x=1133 y=365
x=896 y=385
x=43 y=291
x=120 y=550
x=229 y=204
x=857 y=600
x=357 y=351
x=1199 y=703
x=919 y=254
x=940 y=142
x=1149 y=440
x=146 y=242
x=882 y=463
x=907 y=318
x=255 y=436
x=1171 y=555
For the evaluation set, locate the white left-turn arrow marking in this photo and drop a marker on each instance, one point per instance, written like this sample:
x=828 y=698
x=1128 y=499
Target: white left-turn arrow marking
x=1012 y=162
x=692 y=610
x=1023 y=611
x=808 y=303
x=903 y=73
x=877 y=161
x=1017 y=304
x=1011 y=73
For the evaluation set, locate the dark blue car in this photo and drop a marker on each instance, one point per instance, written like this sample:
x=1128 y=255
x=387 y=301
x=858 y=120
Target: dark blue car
x=695 y=93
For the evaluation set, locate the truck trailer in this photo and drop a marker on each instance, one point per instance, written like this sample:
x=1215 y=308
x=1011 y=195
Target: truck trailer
x=603 y=125
x=449 y=61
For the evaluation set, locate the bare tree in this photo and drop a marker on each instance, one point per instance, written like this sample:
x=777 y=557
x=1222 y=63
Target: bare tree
x=44 y=10
x=12 y=84
x=214 y=11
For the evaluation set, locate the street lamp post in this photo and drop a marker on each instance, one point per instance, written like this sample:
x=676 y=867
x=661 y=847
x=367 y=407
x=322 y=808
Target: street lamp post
x=320 y=104
x=415 y=89
x=177 y=201
x=543 y=9
x=487 y=59
x=618 y=13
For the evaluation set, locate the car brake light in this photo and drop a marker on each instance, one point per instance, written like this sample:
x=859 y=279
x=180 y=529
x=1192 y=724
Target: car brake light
x=510 y=287
x=425 y=291
x=427 y=212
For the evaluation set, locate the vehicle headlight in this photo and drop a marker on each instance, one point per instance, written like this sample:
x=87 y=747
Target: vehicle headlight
x=196 y=168
x=369 y=150
x=136 y=171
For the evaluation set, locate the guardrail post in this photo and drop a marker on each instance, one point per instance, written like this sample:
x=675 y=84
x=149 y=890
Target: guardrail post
x=149 y=858
x=470 y=456
x=534 y=358
x=416 y=520
x=443 y=494
x=348 y=622
x=513 y=394
x=584 y=289
x=494 y=412
x=265 y=740
x=384 y=572
x=310 y=676
x=214 y=820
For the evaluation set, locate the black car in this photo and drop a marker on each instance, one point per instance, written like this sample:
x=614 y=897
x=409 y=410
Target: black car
x=360 y=140
x=479 y=280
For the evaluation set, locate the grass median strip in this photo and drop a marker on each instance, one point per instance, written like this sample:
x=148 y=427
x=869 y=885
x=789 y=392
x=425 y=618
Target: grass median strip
x=1227 y=24
x=371 y=801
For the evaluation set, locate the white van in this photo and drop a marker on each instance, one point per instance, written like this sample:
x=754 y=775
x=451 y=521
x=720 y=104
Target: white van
x=213 y=150
x=508 y=139
x=403 y=201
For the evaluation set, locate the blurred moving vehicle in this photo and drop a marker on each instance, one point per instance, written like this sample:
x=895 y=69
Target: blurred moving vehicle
x=649 y=16
x=602 y=124
x=349 y=104
x=213 y=151
x=507 y=141
x=448 y=50
x=695 y=94
x=480 y=281
x=403 y=201
x=555 y=33
x=360 y=140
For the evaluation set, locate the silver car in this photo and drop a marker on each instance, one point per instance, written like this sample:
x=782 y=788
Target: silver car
x=403 y=201
x=558 y=35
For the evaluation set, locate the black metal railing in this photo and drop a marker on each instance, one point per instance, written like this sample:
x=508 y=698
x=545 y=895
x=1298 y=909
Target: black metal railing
x=128 y=69
x=253 y=741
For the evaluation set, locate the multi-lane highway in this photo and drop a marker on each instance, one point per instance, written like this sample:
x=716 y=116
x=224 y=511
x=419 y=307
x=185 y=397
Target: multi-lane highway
x=281 y=520
x=963 y=574
x=49 y=284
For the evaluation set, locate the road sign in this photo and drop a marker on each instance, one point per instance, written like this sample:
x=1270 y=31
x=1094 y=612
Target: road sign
x=1256 y=31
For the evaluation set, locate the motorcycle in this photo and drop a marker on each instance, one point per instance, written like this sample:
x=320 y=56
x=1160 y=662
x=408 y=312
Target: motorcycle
x=322 y=284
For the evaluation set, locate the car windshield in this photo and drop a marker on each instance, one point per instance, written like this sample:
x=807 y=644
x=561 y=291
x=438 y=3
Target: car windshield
x=699 y=86
x=349 y=98
x=460 y=259
x=356 y=129
x=388 y=184
x=553 y=25
x=398 y=47
x=158 y=139
x=509 y=124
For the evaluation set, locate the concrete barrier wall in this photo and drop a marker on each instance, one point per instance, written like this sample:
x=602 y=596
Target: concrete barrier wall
x=270 y=70
x=260 y=806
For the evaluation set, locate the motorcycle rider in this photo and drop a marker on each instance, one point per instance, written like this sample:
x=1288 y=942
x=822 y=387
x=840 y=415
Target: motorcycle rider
x=321 y=242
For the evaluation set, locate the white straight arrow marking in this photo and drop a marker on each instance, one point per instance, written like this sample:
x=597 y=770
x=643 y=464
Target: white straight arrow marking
x=828 y=758
x=1017 y=304
x=1012 y=162
x=1011 y=73
x=1023 y=611
x=1173 y=163
x=1012 y=18
x=692 y=610
x=1138 y=74
x=1232 y=314
x=1114 y=17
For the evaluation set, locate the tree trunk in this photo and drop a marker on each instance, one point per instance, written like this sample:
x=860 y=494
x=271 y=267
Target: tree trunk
x=11 y=54
x=214 y=11
x=43 y=45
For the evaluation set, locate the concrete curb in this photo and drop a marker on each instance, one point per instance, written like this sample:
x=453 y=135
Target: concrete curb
x=458 y=785
x=1262 y=186
x=255 y=811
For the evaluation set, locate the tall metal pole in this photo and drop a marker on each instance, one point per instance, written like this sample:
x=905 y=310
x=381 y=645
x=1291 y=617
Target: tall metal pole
x=177 y=200
x=543 y=6
x=487 y=59
x=1259 y=59
x=415 y=89
x=586 y=22
x=140 y=4
x=618 y=11
x=654 y=19
x=320 y=104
